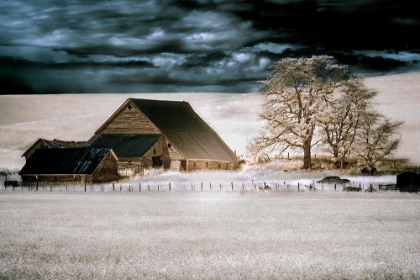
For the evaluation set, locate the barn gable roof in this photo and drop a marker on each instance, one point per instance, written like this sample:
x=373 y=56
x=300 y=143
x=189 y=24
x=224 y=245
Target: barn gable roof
x=181 y=125
x=64 y=161
x=127 y=145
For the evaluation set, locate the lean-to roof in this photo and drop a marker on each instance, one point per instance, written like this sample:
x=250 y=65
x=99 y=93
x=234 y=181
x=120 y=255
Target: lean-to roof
x=64 y=161
x=127 y=145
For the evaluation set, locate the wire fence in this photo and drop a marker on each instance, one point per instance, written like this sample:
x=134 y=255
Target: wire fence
x=253 y=186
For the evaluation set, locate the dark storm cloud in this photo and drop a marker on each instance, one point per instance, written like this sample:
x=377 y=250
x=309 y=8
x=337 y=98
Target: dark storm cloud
x=203 y=45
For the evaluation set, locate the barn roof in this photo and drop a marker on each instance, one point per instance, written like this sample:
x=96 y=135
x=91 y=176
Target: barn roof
x=181 y=125
x=127 y=145
x=56 y=143
x=64 y=161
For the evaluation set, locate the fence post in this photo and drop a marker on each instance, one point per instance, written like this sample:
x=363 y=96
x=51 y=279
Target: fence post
x=113 y=187
x=148 y=188
x=210 y=187
x=243 y=187
x=232 y=186
x=220 y=187
x=158 y=188
x=170 y=188
x=139 y=187
x=335 y=187
x=85 y=185
x=298 y=187
x=201 y=186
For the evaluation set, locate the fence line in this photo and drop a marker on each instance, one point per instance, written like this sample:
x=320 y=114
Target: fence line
x=253 y=186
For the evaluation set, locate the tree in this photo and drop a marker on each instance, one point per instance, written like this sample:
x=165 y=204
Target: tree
x=377 y=139
x=340 y=122
x=294 y=94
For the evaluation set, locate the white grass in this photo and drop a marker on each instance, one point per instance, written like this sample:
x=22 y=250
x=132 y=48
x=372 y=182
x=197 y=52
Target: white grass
x=227 y=235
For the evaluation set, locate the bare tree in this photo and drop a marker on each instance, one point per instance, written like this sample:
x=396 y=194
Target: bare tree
x=294 y=94
x=340 y=122
x=377 y=139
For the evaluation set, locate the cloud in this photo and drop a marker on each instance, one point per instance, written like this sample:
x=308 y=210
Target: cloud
x=137 y=46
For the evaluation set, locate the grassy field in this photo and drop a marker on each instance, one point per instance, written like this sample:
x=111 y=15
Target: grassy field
x=209 y=235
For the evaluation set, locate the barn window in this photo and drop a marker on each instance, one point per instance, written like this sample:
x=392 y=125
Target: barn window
x=154 y=151
x=55 y=177
x=129 y=107
x=169 y=145
x=220 y=166
x=207 y=164
x=195 y=165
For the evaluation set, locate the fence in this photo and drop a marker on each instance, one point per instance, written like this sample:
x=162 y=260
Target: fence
x=271 y=186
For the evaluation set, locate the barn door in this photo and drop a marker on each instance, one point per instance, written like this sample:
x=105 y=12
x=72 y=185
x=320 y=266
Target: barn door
x=157 y=162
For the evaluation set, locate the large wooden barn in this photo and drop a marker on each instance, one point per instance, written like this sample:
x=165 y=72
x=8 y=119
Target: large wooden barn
x=183 y=141
x=78 y=165
x=140 y=134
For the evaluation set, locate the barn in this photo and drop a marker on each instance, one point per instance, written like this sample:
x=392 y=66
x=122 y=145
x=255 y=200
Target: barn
x=184 y=142
x=78 y=165
x=408 y=181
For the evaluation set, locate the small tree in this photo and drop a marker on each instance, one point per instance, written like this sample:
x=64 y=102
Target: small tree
x=377 y=139
x=340 y=122
x=294 y=95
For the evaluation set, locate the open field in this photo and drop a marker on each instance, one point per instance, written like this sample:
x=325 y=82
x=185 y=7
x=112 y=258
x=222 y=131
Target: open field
x=218 y=235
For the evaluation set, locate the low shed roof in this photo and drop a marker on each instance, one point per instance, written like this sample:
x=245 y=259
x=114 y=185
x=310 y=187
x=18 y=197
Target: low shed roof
x=127 y=145
x=64 y=161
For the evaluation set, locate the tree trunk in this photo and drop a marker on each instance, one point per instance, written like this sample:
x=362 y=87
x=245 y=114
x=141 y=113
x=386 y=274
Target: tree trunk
x=307 y=154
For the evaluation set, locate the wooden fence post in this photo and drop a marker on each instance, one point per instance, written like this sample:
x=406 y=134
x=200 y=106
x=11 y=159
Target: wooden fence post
x=201 y=186
x=139 y=187
x=298 y=187
x=148 y=188
x=220 y=187
x=232 y=186
x=113 y=187
x=170 y=186
x=210 y=187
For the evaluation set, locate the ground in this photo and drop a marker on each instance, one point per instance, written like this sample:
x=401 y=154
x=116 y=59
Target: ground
x=209 y=235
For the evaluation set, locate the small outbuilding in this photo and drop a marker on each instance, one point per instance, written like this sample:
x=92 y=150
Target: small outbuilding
x=77 y=165
x=408 y=181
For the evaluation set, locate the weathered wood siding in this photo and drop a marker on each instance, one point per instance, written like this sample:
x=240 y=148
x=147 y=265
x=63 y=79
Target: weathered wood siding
x=130 y=121
x=107 y=170
x=211 y=165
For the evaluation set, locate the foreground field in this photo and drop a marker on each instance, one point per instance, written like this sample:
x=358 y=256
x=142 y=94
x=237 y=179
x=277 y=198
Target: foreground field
x=210 y=235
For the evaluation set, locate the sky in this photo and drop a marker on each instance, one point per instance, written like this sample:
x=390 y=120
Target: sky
x=129 y=46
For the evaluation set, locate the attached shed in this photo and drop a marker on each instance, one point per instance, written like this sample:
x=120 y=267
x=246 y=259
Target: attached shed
x=408 y=181
x=78 y=165
x=50 y=144
x=135 y=151
x=191 y=144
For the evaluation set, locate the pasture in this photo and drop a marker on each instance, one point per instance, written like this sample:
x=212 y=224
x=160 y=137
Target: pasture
x=209 y=235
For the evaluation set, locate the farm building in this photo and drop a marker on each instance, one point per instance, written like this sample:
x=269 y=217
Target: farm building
x=78 y=165
x=49 y=144
x=140 y=134
x=408 y=181
x=186 y=142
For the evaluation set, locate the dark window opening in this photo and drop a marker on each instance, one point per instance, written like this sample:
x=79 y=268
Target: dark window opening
x=169 y=145
x=207 y=164
x=220 y=166
x=129 y=107
x=154 y=151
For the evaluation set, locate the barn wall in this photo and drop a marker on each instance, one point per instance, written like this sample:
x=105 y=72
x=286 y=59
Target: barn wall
x=107 y=170
x=130 y=121
x=129 y=166
x=211 y=165
x=77 y=179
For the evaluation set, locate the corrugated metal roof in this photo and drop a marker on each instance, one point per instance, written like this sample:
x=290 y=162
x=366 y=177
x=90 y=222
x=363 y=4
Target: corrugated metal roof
x=64 y=161
x=177 y=120
x=127 y=145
